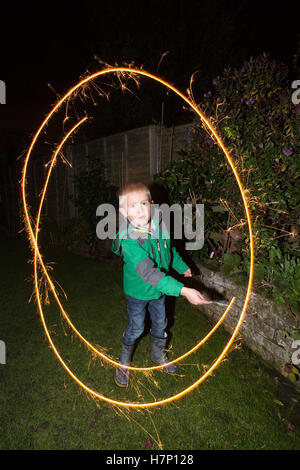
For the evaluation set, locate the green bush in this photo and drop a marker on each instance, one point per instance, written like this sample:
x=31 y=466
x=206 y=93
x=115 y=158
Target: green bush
x=48 y=232
x=91 y=190
x=77 y=233
x=252 y=111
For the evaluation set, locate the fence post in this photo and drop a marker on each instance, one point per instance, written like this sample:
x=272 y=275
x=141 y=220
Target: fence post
x=152 y=150
x=126 y=156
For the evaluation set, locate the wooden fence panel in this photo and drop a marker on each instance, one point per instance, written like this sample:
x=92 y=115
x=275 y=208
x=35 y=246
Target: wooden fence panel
x=133 y=155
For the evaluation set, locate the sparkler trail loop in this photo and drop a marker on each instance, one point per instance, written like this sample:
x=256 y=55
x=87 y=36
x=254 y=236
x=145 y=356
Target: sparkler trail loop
x=87 y=343
x=129 y=72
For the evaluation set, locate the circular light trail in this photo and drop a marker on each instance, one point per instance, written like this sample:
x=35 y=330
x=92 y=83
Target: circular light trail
x=33 y=238
x=87 y=343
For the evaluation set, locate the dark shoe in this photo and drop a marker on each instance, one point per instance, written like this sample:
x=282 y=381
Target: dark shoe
x=159 y=356
x=122 y=374
x=122 y=377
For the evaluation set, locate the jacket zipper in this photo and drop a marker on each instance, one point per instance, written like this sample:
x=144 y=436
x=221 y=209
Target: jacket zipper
x=158 y=247
x=157 y=243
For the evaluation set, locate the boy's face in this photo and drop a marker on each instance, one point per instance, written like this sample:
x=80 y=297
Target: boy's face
x=137 y=208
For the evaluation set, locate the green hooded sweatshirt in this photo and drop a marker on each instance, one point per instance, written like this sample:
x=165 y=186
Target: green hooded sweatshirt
x=147 y=257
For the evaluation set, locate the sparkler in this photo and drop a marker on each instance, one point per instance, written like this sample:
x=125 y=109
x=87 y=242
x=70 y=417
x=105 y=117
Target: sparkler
x=122 y=72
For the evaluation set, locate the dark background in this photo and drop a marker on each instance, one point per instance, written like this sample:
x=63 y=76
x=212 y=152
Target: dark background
x=56 y=42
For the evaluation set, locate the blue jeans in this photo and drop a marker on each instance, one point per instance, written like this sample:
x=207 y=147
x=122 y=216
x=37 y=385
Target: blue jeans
x=136 y=322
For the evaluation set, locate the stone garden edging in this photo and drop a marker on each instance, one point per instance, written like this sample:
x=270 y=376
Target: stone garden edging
x=265 y=322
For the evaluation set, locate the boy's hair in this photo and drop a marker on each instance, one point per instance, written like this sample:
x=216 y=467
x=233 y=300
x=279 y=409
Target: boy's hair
x=129 y=188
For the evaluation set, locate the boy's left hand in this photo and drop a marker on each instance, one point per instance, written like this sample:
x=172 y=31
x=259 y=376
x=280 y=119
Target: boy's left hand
x=188 y=273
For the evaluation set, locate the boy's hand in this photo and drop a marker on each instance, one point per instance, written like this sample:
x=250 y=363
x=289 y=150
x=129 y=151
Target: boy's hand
x=188 y=273
x=193 y=296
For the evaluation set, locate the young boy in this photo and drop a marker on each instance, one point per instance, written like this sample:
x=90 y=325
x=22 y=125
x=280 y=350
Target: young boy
x=148 y=256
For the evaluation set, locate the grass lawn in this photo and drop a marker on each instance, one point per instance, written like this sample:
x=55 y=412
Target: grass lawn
x=245 y=404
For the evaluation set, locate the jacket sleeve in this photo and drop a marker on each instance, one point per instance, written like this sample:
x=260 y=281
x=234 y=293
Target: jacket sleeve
x=178 y=264
x=134 y=254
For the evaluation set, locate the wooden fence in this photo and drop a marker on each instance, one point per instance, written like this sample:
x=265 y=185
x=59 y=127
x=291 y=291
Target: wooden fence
x=136 y=154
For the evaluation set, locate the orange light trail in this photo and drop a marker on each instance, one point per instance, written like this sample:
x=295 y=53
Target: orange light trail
x=89 y=345
x=130 y=71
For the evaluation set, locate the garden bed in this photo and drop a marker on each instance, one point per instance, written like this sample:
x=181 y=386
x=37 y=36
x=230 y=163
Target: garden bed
x=267 y=325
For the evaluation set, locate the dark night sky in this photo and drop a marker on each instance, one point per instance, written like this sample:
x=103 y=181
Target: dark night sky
x=55 y=43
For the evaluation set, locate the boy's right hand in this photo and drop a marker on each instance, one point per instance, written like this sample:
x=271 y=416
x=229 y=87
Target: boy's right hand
x=193 y=296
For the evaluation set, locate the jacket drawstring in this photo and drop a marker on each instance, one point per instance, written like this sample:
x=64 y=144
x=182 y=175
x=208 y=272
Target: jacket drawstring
x=146 y=231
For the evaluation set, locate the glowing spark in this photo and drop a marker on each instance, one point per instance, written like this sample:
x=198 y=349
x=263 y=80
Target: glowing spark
x=51 y=164
x=280 y=229
x=130 y=72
